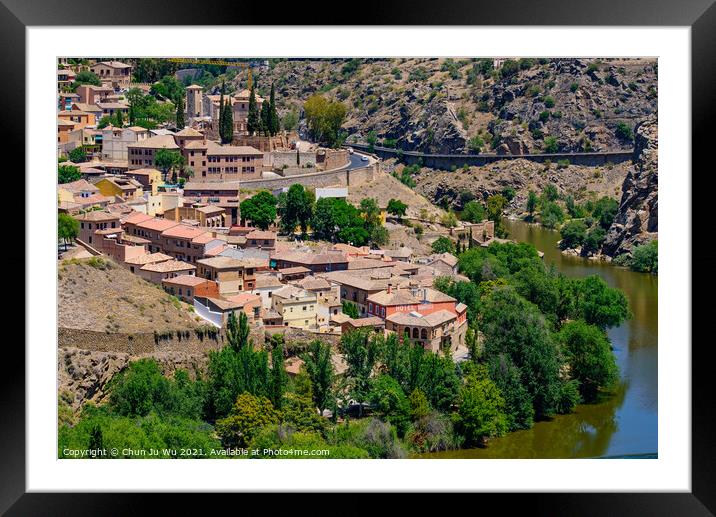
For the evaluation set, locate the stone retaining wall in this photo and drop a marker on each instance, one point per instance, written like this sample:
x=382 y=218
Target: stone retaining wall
x=447 y=161
x=335 y=178
x=136 y=344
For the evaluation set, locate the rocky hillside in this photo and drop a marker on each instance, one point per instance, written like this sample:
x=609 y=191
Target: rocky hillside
x=637 y=219
x=454 y=189
x=83 y=374
x=462 y=105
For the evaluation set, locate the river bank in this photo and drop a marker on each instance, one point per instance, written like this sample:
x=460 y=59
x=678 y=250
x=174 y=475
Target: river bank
x=622 y=425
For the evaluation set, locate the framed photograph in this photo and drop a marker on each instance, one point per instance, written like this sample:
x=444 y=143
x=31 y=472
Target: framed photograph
x=425 y=255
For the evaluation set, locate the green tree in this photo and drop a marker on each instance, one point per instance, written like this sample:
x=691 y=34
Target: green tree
x=509 y=68
x=228 y=123
x=531 y=203
x=360 y=350
x=320 y=370
x=168 y=160
x=605 y=210
x=589 y=354
x=68 y=228
x=379 y=236
x=265 y=118
x=67 y=173
x=180 y=111
x=119 y=118
x=388 y=400
x=645 y=257
x=443 y=245
x=139 y=389
x=397 y=207
x=237 y=331
x=474 y=212
x=551 y=215
x=594 y=239
x=247 y=418
x=253 y=121
x=518 y=401
x=495 y=205
x=600 y=305
x=86 y=77
x=78 y=155
x=419 y=405
x=274 y=122
x=371 y=213
x=350 y=309
x=481 y=408
x=514 y=327
x=279 y=379
x=260 y=209
x=295 y=208
x=168 y=87
x=324 y=119
x=573 y=234
x=290 y=121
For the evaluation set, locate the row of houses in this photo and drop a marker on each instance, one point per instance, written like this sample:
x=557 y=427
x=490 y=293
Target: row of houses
x=279 y=284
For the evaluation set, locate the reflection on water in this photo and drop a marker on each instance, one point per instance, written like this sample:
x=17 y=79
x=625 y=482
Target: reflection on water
x=621 y=425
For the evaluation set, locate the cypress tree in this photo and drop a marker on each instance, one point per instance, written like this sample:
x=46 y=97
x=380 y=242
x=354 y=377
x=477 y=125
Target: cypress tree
x=180 y=112
x=120 y=118
x=252 y=122
x=266 y=118
x=228 y=123
x=275 y=123
x=221 y=114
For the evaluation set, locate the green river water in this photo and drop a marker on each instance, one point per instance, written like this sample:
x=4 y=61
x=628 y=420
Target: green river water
x=624 y=425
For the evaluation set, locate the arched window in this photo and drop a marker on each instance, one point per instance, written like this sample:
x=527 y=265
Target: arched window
x=424 y=334
x=406 y=333
x=415 y=333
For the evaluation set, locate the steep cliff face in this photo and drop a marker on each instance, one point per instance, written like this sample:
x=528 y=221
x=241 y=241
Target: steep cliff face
x=83 y=374
x=637 y=219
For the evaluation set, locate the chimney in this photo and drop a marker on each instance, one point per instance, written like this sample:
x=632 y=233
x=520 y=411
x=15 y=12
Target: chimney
x=390 y=288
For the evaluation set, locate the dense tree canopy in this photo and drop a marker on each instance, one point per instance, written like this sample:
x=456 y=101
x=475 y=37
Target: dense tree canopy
x=260 y=209
x=67 y=173
x=324 y=119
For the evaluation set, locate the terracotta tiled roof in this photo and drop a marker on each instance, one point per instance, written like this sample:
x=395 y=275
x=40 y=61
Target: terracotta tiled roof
x=259 y=234
x=157 y=225
x=182 y=231
x=148 y=258
x=406 y=297
x=188 y=280
x=221 y=262
x=97 y=215
x=156 y=142
x=168 y=266
x=415 y=319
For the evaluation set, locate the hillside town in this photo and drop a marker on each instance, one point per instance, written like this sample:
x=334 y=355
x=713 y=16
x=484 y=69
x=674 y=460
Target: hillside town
x=352 y=257
x=182 y=228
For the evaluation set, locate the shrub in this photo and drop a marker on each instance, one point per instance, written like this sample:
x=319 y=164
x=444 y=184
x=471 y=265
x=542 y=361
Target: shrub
x=624 y=132
x=573 y=87
x=549 y=101
x=550 y=145
x=645 y=258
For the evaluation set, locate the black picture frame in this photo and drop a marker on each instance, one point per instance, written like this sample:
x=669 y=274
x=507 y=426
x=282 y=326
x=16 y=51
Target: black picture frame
x=700 y=15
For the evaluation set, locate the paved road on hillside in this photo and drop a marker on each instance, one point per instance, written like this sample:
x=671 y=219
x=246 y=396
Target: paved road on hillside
x=356 y=162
